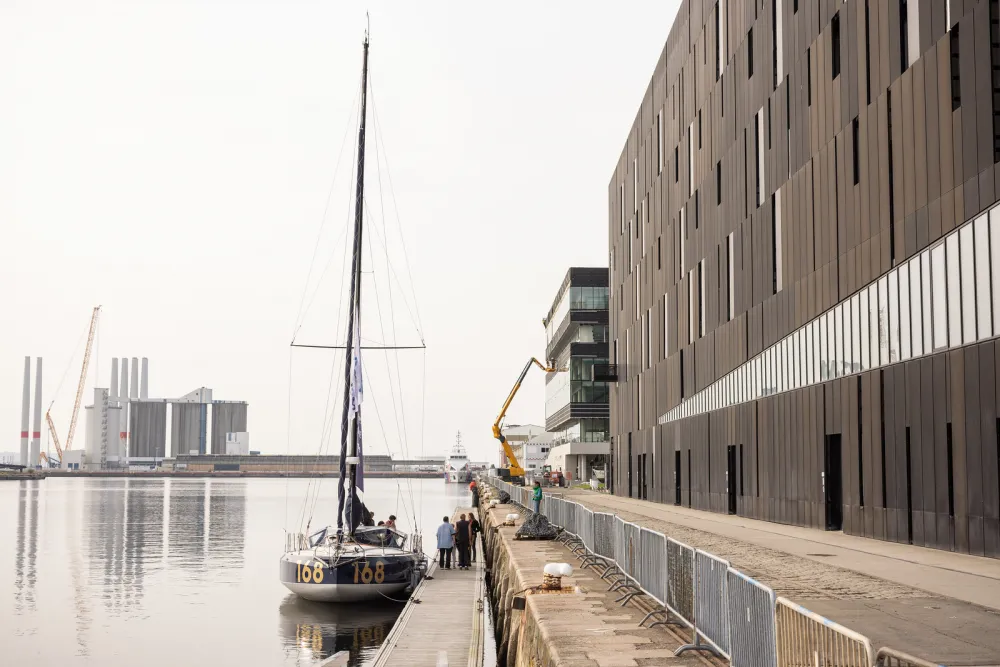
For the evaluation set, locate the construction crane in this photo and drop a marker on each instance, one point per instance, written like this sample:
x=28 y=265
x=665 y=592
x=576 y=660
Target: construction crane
x=79 y=392
x=515 y=472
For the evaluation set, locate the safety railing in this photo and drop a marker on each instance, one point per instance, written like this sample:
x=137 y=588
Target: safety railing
x=730 y=614
x=888 y=657
x=751 y=621
x=804 y=637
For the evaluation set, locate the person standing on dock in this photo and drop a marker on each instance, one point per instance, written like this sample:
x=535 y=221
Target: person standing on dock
x=475 y=528
x=445 y=544
x=462 y=535
x=536 y=497
x=475 y=493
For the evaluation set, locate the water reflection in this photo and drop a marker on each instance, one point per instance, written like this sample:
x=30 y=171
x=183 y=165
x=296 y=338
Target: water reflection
x=27 y=546
x=314 y=631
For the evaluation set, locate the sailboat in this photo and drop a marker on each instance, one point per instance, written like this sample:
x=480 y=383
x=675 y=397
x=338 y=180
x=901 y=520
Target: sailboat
x=357 y=561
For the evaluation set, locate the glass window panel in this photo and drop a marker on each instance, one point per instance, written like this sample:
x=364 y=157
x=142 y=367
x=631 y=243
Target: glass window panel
x=954 y=291
x=916 y=310
x=984 y=303
x=838 y=347
x=873 y=324
x=882 y=326
x=968 y=287
x=855 y=357
x=893 y=316
x=904 y=312
x=797 y=360
x=783 y=366
x=926 y=298
x=831 y=342
x=822 y=352
x=813 y=364
x=864 y=331
x=995 y=264
x=939 y=300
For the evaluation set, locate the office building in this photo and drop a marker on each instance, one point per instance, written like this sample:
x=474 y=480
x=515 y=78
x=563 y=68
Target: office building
x=576 y=404
x=805 y=269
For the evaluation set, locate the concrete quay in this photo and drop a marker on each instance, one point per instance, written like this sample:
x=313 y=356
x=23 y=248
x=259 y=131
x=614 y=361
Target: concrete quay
x=580 y=626
x=939 y=606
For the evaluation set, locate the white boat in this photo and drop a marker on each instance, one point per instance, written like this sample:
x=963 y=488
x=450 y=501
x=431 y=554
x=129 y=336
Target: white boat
x=456 y=465
x=355 y=560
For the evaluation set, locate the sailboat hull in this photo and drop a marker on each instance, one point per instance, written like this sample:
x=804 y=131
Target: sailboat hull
x=377 y=575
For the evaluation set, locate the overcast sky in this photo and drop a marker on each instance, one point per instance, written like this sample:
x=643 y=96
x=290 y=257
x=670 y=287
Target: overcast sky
x=172 y=161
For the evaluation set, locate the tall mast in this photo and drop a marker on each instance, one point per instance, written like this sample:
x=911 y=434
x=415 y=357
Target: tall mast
x=348 y=430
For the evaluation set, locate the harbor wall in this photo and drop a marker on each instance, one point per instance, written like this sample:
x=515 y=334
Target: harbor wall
x=580 y=625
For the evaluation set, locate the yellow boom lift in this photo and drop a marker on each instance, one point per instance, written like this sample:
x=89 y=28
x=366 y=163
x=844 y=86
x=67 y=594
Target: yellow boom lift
x=515 y=471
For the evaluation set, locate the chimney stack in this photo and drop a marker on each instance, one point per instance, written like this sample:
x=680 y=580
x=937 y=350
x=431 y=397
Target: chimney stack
x=144 y=382
x=25 y=409
x=134 y=388
x=123 y=392
x=114 y=379
x=36 y=432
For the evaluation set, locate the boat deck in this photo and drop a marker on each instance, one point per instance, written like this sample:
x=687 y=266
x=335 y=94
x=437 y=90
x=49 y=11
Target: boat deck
x=442 y=624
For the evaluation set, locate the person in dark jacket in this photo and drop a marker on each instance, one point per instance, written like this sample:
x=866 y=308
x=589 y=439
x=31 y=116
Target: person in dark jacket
x=462 y=539
x=475 y=530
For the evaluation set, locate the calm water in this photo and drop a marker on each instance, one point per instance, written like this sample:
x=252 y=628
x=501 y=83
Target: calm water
x=178 y=572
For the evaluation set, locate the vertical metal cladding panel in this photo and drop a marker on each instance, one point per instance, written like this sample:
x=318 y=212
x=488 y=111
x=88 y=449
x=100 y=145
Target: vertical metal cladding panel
x=711 y=610
x=149 y=429
x=680 y=580
x=751 y=621
x=604 y=535
x=185 y=426
x=226 y=418
x=653 y=564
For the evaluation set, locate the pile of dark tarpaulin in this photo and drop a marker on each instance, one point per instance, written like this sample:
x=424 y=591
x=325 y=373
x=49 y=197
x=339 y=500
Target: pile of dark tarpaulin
x=536 y=527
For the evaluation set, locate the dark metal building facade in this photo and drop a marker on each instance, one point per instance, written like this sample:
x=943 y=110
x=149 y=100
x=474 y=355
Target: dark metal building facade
x=805 y=269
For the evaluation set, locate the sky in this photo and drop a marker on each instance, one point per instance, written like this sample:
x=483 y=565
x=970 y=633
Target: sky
x=188 y=166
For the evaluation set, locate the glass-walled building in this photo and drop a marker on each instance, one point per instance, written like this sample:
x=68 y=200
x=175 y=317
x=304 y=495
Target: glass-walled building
x=805 y=270
x=576 y=339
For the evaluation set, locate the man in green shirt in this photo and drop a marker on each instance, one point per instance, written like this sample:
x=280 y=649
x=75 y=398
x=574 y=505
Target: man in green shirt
x=536 y=496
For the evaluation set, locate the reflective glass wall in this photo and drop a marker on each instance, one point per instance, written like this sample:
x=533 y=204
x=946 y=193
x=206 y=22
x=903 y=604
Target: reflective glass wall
x=944 y=297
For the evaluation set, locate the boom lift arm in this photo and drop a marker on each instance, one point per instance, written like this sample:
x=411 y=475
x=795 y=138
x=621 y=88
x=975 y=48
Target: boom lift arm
x=515 y=467
x=79 y=391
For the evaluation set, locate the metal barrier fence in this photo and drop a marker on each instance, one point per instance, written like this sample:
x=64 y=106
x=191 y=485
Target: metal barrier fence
x=711 y=612
x=737 y=617
x=652 y=564
x=680 y=580
x=604 y=538
x=806 y=638
x=751 y=621
x=888 y=657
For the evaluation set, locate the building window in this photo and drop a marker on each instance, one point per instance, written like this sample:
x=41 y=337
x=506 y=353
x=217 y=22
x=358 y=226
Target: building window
x=701 y=298
x=659 y=256
x=730 y=274
x=699 y=129
x=692 y=291
x=720 y=58
x=635 y=184
x=677 y=165
x=835 y=45
x=856 y=144
x=649 y=351
x=666 y=326
x=659 y=142
x=759 y=159
x=718 y=183
x=621 y=199
x=809 y=77
x=776 y=240
x=697 y=215
x=750 y=53
x=956 y=87
x=868 y=54
x=795 y=6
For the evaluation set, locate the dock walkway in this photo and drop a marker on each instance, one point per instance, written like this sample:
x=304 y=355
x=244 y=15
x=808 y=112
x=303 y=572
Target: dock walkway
x=444 y=615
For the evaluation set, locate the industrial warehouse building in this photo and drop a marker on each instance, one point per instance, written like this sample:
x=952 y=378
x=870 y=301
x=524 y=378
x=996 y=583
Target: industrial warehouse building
x=805 y=270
